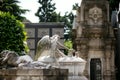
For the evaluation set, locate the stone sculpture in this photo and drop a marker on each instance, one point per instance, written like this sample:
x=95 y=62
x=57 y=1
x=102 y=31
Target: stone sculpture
x=9 y=59
x=47 y=50
x=48 y=46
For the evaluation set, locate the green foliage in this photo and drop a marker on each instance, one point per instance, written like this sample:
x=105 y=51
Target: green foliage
x=68 y=43
x=75 y=6
x=46 y=11
x=67 y=18
x=12 y=33
x=12 y=7
x=114 y=4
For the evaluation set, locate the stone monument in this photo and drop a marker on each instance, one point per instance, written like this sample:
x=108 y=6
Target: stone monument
x=48 y=52
x=74 y=64
x=15 y=67
x=94 y=39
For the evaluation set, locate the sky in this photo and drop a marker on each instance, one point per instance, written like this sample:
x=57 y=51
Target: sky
x=62 y=6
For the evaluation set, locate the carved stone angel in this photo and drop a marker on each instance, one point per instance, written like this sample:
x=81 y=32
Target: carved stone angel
x=48 y=46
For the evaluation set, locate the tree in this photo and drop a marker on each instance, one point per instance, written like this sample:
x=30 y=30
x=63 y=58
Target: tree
x=114 y=4
x=13 y=8
x=46 y=11
x=12 y=33
x=75 y=6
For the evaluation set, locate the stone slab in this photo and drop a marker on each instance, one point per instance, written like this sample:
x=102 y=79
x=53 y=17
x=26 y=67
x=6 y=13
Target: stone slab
x=33 y=74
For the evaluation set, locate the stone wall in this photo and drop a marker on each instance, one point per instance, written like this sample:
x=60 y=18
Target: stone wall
x=33 y=74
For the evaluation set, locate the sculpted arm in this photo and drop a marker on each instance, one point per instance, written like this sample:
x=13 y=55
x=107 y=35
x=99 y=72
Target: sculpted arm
x=60 y=53
x=61 y=45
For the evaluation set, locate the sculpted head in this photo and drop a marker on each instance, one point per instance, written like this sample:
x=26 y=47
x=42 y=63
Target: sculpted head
x=55 y=36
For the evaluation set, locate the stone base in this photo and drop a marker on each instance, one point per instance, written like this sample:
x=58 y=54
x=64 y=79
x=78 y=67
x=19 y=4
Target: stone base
x=77 y=78
x=33 y=74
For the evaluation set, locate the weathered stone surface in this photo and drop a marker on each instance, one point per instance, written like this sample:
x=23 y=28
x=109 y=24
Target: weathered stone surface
x=94 y=40
x=33 y=74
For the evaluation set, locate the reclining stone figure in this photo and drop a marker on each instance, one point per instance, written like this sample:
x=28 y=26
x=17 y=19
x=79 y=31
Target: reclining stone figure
x=12 y=59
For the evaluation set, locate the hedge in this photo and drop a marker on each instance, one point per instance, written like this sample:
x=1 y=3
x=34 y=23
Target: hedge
x=12 y=34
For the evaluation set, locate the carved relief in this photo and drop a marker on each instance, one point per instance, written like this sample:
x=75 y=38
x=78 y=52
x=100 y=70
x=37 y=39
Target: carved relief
x=95 y=15
x=96 y=44
x=95 y=40
x=30 y=32
x=58 y=31
x=31 y=43
x=42 y=32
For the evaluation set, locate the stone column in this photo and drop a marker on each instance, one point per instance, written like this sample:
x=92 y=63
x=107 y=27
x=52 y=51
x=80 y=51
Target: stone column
x=107 y=72
x=82 y=13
